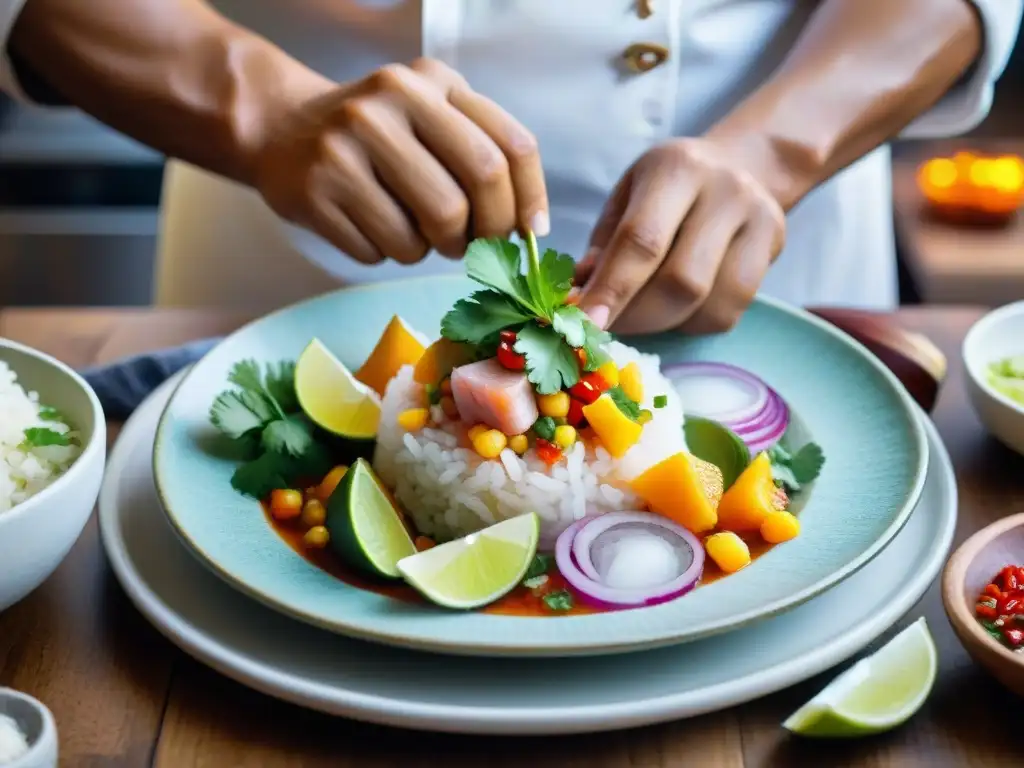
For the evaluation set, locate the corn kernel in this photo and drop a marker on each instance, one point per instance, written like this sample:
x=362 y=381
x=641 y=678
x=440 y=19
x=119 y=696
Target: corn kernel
x=285 y=503
x=476 y=429
x=609 y=373
x=778 y=527
x=631 y=383
x=490 y=444
x=565 y=436
x=313 y=513
x=556 y=406
x=449 y=407
x=316 y=537
x=728 y=550
x=644 y=417
x=519 y=444
x=414 y=419
x=330 y=482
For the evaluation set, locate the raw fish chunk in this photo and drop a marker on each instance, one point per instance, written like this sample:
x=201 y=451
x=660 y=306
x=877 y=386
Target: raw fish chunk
x=488 y=393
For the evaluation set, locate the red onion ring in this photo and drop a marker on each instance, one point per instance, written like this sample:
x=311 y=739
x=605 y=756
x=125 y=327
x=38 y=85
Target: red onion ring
x=575 y=561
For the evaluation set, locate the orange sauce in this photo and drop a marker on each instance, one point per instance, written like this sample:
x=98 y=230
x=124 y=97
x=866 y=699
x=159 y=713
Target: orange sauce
x=521 y=601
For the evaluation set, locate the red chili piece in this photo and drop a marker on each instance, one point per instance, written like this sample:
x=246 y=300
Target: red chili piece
x=575 y=415
x=588 y=388
x=549 y=453
x=507 y=356
x=1001 y=606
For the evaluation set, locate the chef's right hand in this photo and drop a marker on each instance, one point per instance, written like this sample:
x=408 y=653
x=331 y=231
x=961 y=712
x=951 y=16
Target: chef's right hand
x=407 y=159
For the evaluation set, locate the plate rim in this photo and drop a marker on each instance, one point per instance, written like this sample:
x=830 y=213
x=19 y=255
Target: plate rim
x=476 y=647
x=490 y=720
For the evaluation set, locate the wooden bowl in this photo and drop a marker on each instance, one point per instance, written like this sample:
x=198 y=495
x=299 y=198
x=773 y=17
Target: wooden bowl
x=971 y=567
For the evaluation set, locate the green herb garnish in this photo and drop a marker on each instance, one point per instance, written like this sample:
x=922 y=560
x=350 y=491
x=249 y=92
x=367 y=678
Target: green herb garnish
x=558 y=601
x=993 y=630
x=49 y=413
x=40 y=437
x=263 y=415
x=544 y=427
x=538 y=567
x=660 y=401
x=531 y=301
x=629 y=407
x=795 y=470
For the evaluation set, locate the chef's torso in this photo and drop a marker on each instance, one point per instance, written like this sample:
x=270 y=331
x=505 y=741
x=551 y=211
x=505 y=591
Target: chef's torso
x=557 y=67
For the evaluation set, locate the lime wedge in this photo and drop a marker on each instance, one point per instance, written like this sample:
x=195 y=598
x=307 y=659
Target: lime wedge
x=477 y=569
x=365 y=528
x=332 y=397
x=875 y=694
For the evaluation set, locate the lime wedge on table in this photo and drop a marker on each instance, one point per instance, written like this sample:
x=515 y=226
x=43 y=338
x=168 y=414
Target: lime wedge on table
x=476 y=569
x=365 y=528
x=332 y=397
x=875 y=694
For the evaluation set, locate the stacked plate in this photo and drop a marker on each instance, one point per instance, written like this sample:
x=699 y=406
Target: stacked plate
x=202 y=563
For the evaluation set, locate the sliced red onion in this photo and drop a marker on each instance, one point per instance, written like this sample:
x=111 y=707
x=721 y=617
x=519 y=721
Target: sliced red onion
x=760 y=421
x=604 y=559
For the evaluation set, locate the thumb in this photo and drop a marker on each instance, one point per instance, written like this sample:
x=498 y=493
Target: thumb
x=601 y=236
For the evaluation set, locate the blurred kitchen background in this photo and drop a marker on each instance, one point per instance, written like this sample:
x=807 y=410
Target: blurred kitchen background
x=78 y=213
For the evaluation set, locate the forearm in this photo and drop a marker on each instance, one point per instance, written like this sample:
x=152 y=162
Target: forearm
x=861 y=71
x=172 y=74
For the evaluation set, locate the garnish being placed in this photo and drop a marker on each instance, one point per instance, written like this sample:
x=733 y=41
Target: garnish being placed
x=531 y=303
x=262 y=416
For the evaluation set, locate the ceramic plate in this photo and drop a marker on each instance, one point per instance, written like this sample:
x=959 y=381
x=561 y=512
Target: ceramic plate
x=875 y=448
x=257 y=647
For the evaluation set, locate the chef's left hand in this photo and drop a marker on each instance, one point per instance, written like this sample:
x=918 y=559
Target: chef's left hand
x=683 y=243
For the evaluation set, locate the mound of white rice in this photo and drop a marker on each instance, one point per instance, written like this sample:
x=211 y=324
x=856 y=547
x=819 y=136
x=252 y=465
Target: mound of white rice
x=26 y=470
x=450 y=491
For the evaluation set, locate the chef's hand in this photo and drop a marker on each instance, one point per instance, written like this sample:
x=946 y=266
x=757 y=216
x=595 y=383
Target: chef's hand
x=683 y=243
x=407 y=159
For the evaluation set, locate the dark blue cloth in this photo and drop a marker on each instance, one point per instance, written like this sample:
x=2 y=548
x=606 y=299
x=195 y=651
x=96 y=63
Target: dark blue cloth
x=123 y=384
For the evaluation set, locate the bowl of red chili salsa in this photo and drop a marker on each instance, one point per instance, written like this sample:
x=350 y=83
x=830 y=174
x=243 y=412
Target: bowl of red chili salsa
x=983 y=594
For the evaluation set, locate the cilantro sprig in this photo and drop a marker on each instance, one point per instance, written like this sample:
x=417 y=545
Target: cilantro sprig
x=527 y=295
x=262 y=415
x=41 y=437
x=795 y=470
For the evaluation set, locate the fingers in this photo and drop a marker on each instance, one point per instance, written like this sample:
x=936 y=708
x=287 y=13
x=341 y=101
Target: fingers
x=748 y=258
x=335 y=227
x=641 y=240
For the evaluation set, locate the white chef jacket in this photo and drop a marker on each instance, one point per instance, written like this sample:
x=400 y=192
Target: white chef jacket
x=556 y=66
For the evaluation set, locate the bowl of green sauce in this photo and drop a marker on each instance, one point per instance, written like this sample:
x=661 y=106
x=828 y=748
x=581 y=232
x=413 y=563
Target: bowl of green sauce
x=993 y=354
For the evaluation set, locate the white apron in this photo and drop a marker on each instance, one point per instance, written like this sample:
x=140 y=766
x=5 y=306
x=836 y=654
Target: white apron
x=554 y=65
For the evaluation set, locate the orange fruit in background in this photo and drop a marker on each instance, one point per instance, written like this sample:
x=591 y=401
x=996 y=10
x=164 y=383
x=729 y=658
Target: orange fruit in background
x=398 y=346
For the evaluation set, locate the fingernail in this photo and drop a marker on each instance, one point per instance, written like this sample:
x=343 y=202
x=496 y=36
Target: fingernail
x=540 y=224
x=599 y=315
x=590 y=257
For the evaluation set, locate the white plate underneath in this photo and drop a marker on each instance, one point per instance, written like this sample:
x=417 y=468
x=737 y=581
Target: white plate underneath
x=296 y=662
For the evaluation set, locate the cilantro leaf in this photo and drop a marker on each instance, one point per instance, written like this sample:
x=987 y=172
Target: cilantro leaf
x=257 y=478
x=550 y=283
x=236 y=413
x=483 y=314
x=993 y=630
x=538 y=567
x=280 y=385
x=593 y=345
x=629 y=407
x=806 y=463
x=570 y=322
x=783 y=475
x=497 y=264
x=290 y=436
x=40 y=437
x=558 y=601
x=779 y=455
x=551 y=364
x=49 y=413
x=246 y=375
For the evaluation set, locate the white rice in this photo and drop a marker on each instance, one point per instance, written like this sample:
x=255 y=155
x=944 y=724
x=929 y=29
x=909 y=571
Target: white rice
x=26 y=470
x=450 y=491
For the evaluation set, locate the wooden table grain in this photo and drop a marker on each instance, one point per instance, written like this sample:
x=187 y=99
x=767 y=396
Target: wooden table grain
x=124 y=697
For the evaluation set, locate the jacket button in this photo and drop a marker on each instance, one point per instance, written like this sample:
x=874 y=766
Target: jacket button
x=644 y=8
x=643 y=57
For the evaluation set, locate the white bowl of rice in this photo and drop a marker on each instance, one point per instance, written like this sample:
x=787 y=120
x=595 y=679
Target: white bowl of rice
x=52 y=451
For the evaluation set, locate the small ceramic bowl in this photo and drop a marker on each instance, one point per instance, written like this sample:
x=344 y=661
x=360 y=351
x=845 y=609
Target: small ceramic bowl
x=37 y=534
x=997 y=335
x=36 y=722
x=971 y=567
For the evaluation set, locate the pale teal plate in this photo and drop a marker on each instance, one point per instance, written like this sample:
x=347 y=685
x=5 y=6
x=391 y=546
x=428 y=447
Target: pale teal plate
x=848 y=402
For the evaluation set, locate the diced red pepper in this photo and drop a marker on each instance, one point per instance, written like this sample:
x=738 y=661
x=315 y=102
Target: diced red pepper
x=509 y=358
x=1010 y=604
x=985 y=612
x=589 y=388
x=1014 y=636
x=549 y=453
x=575 y=416
x=509 y=336
x=992 y=591
x=1007 y=579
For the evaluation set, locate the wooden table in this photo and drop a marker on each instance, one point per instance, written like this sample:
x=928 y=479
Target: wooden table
x=949 y=264
x=125 y=697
